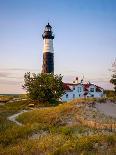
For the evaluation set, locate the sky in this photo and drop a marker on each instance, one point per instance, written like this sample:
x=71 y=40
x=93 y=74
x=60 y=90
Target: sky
x=84 y=44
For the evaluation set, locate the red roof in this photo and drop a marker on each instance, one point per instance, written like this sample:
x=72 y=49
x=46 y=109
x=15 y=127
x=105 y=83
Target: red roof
x=85 y=86
x=66 y=87
x=72 y=84
x=98 y=89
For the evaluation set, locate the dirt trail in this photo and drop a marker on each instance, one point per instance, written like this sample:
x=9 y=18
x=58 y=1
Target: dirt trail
x=13 y=117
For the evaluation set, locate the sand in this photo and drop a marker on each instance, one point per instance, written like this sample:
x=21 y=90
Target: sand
x=108 y=108
x=13 y=117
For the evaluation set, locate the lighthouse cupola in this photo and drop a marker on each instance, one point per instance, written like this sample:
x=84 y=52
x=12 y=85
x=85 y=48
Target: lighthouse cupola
x=48 y=34
x=48 y=51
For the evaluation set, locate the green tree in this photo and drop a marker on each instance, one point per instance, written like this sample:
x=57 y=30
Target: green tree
x=43 y=87
x=113 y=79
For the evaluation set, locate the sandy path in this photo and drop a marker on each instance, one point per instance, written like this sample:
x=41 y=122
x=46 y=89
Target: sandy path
x=109 y=109
x=13 y=117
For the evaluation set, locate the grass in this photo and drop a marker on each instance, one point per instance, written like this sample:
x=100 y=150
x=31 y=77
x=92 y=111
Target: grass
x=61 y=144
x=49 y=116
x=61 y=137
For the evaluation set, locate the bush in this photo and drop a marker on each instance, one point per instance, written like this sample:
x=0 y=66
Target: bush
x=101 y=100
x=43 y=87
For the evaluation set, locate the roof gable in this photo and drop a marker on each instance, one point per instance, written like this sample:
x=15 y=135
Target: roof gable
x=85 y=86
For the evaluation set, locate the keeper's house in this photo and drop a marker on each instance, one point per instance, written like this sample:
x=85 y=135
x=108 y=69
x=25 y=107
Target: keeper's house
x=81 y=90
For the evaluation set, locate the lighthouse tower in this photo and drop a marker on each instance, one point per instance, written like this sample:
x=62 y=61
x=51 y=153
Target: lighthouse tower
x=48 y=51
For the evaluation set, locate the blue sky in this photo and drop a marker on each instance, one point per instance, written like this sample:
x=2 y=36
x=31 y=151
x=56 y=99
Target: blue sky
x=84 y=44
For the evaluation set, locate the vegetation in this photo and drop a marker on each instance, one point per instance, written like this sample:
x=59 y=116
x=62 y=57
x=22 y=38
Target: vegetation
x=43 y=87
x=110 y=94
x=5 y=98
x=52 y=130
x=113 y=79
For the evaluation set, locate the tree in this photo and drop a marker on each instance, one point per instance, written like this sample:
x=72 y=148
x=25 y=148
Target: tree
x=113 y=79
x=43 y=87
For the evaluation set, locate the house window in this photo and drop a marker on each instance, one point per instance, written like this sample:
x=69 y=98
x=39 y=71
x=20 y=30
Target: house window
x=79 y=89
x=92 y=95
x=73 y=87
x=66 y=95
x=73 y=95
x=91 y=89
x=79 y=95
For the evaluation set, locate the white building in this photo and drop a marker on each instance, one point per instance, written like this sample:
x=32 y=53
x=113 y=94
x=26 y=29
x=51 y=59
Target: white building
x=81 y=90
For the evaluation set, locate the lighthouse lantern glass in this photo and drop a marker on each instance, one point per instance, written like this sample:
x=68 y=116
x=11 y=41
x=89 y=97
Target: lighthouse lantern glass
x=47 y=28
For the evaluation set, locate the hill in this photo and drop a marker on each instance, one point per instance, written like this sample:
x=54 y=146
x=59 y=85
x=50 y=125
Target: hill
x=77 y=127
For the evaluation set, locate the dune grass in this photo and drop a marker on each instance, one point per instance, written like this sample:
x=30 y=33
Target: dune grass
x=64 y=135
x=62 y=144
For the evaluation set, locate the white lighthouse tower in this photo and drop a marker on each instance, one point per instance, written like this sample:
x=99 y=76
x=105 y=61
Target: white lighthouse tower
x=48 y=51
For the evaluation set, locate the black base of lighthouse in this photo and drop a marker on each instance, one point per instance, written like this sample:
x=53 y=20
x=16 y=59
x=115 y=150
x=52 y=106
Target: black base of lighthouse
x=48 y=62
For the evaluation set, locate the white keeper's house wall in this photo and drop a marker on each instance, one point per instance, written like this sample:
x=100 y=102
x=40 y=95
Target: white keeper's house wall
x=80 y=90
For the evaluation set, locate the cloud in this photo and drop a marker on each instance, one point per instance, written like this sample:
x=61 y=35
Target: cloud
x=8 y=75
x=15 y=73
x=11 y=79
x=8 y=82
x=4 y=75
x=18 y=69
x=11 y=86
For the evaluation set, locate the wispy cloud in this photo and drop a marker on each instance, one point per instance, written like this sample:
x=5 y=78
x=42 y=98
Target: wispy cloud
x=11 y=79
x=8 y=75
x=15 y=73
x=9 y=82
x=99 y=79
x=18 y=69
x=11 y=86
x=4 y=75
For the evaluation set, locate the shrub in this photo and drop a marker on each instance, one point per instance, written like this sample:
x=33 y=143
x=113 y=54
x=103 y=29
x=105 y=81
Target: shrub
x=43 y=87
x=101 y=100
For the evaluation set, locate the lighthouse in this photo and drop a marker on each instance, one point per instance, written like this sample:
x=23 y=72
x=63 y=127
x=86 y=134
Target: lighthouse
x=48 y=50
